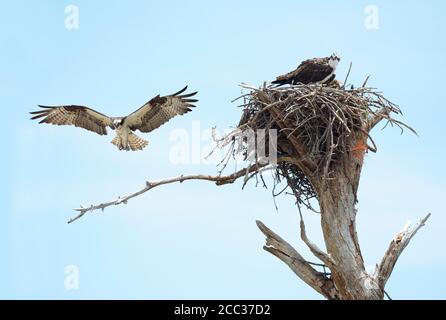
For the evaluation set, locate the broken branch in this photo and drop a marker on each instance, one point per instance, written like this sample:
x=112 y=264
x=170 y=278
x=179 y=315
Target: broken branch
x=396 y=247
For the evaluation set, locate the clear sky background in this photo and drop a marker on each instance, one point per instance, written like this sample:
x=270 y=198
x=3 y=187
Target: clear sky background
x=196 y=240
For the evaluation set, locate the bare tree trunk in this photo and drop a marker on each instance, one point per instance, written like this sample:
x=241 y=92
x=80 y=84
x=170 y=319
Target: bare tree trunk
x=338 y=220
x=337 y=200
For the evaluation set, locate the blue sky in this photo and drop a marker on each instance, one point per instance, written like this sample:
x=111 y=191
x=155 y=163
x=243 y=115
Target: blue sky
x=196 y=240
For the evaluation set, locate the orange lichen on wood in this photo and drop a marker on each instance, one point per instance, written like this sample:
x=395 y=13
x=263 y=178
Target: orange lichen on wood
x=360 y=148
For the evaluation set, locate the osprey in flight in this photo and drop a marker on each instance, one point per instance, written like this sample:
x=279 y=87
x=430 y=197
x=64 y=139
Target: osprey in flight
x=150 y=116
x=317 y=70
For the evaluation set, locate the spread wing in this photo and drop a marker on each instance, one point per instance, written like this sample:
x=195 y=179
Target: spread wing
x=159 y=110
x=79 y=116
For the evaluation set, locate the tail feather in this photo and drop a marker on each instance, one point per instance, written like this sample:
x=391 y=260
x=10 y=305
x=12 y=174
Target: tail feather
x=134 y=142
x=279 y=82
x=117 y=142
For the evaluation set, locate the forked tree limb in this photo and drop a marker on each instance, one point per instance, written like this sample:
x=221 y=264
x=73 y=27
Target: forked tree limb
x=302 y=268
x=396 y=247
x=382 y=114
x=376 y=118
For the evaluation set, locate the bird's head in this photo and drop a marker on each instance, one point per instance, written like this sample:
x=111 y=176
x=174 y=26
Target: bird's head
x=334 y=60
x=117 y=122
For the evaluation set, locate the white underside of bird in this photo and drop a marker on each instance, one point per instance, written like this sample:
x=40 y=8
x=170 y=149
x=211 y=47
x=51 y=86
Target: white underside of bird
x=333 y=64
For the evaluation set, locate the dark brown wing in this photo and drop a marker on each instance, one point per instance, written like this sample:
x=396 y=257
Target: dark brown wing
x=159 y=110
x=292 y=74
x=308 y=71
x=79 y=116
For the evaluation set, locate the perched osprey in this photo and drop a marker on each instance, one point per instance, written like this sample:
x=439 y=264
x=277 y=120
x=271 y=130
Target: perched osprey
x=150 y=116
x=317 y=70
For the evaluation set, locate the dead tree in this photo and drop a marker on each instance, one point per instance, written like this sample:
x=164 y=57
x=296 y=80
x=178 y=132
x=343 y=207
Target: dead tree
x=323 y=135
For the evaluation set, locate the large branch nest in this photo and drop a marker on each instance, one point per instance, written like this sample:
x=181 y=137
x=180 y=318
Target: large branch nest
x=317 y=127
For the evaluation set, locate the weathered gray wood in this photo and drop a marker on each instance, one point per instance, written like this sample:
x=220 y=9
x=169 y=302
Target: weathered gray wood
x=285 y=252
x=396 y=247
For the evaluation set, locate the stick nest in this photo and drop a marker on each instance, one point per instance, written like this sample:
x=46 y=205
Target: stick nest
x=317 y=127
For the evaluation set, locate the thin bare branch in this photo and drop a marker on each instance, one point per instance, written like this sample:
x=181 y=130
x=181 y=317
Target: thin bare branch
x=219 y=180
x=324 y=257
x=346 y=77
